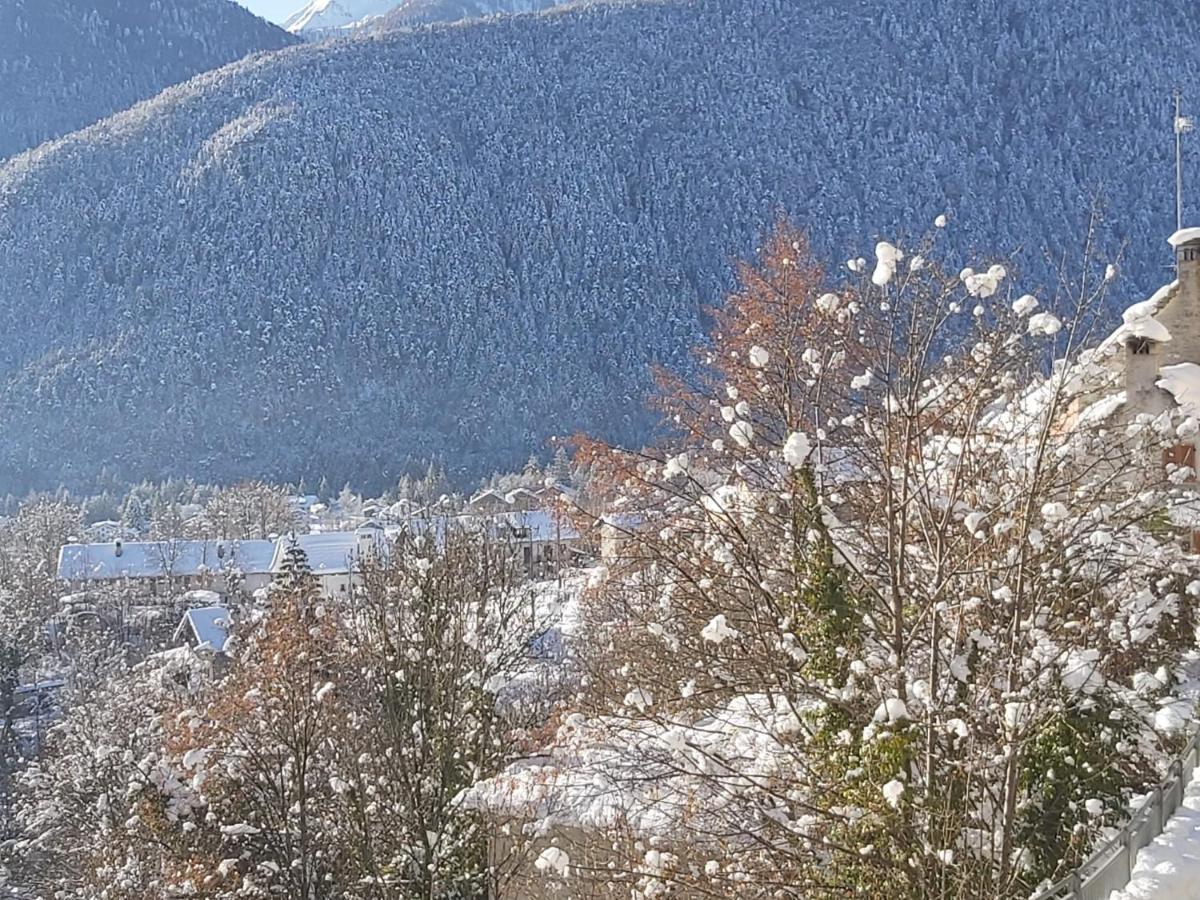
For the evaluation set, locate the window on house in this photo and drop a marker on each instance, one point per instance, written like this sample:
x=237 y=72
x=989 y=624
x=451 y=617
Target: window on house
x=1181 y=455
x=1139 y=346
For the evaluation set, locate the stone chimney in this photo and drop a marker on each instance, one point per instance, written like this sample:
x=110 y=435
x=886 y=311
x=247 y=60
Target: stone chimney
x=1180 y=313
x=1142 y=359
x=1187 y=261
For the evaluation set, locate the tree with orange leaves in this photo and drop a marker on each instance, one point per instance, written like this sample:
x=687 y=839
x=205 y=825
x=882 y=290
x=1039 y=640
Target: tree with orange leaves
x=326 y=760
x=207 y=789
x=870 y=631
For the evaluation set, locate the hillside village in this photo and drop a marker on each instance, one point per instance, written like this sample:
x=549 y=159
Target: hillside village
x=768 y=436
x=536 y=527
x=207 y=577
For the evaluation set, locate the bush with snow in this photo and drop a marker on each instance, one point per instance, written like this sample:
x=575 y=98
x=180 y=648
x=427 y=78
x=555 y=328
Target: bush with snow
x=892 y=792
x=1025 y=304
x=742 y=433
x=947 y=601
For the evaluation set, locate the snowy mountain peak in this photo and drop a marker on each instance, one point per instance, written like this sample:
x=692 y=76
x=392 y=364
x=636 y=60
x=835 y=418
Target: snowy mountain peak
x=320 y=16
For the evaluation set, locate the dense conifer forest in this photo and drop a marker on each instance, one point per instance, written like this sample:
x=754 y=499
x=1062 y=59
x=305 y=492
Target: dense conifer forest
x=455 y=242
x=68 y=63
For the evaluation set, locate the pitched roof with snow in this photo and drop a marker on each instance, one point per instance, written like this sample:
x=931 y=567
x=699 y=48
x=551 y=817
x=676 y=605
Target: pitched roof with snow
x=1138 y=321
x=329 y=552
x=155 y=559
x=209 y=625
x=490 y=497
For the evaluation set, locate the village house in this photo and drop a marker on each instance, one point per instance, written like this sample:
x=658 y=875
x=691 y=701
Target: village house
x=334 y=557
x=556 y=495
x=168 y=567
x=487 y=503
x=108 y=531
x=1156 y=350
x=493 y=503
x=522 y=500
x=541 y=540
x=204 y=628
x=1149 y=365
x=616 y=531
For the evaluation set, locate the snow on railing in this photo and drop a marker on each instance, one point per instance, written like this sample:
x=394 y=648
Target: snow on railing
x=1111 y=866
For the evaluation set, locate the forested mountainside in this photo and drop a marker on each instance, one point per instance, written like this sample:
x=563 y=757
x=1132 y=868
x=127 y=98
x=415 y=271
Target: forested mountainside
x=460 y=241
x=65 y=64
x=323 y=18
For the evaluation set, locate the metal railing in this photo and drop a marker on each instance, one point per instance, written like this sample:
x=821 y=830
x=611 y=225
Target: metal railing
x=1110 y=867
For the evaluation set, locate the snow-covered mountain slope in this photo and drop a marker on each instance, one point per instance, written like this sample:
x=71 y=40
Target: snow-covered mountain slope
x=325 y=18
x=424 y=12
x=68 y=63
x=457 y=242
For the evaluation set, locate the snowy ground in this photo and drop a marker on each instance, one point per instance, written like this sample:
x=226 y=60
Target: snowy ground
x=558 y=621
x=1169 y=868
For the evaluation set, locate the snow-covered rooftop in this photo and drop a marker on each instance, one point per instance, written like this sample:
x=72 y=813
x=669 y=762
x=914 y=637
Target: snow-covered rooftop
x=328 y=553
x=1151 y=305
x=1101 y=410
x=152 y=559
x=1138 y=321
x=1182 y=381
x=1148 y=328
x=487 y=495
x=209 y=626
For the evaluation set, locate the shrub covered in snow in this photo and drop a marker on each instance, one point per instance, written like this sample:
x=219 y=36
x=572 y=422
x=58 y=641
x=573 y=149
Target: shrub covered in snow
x=923 y=595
